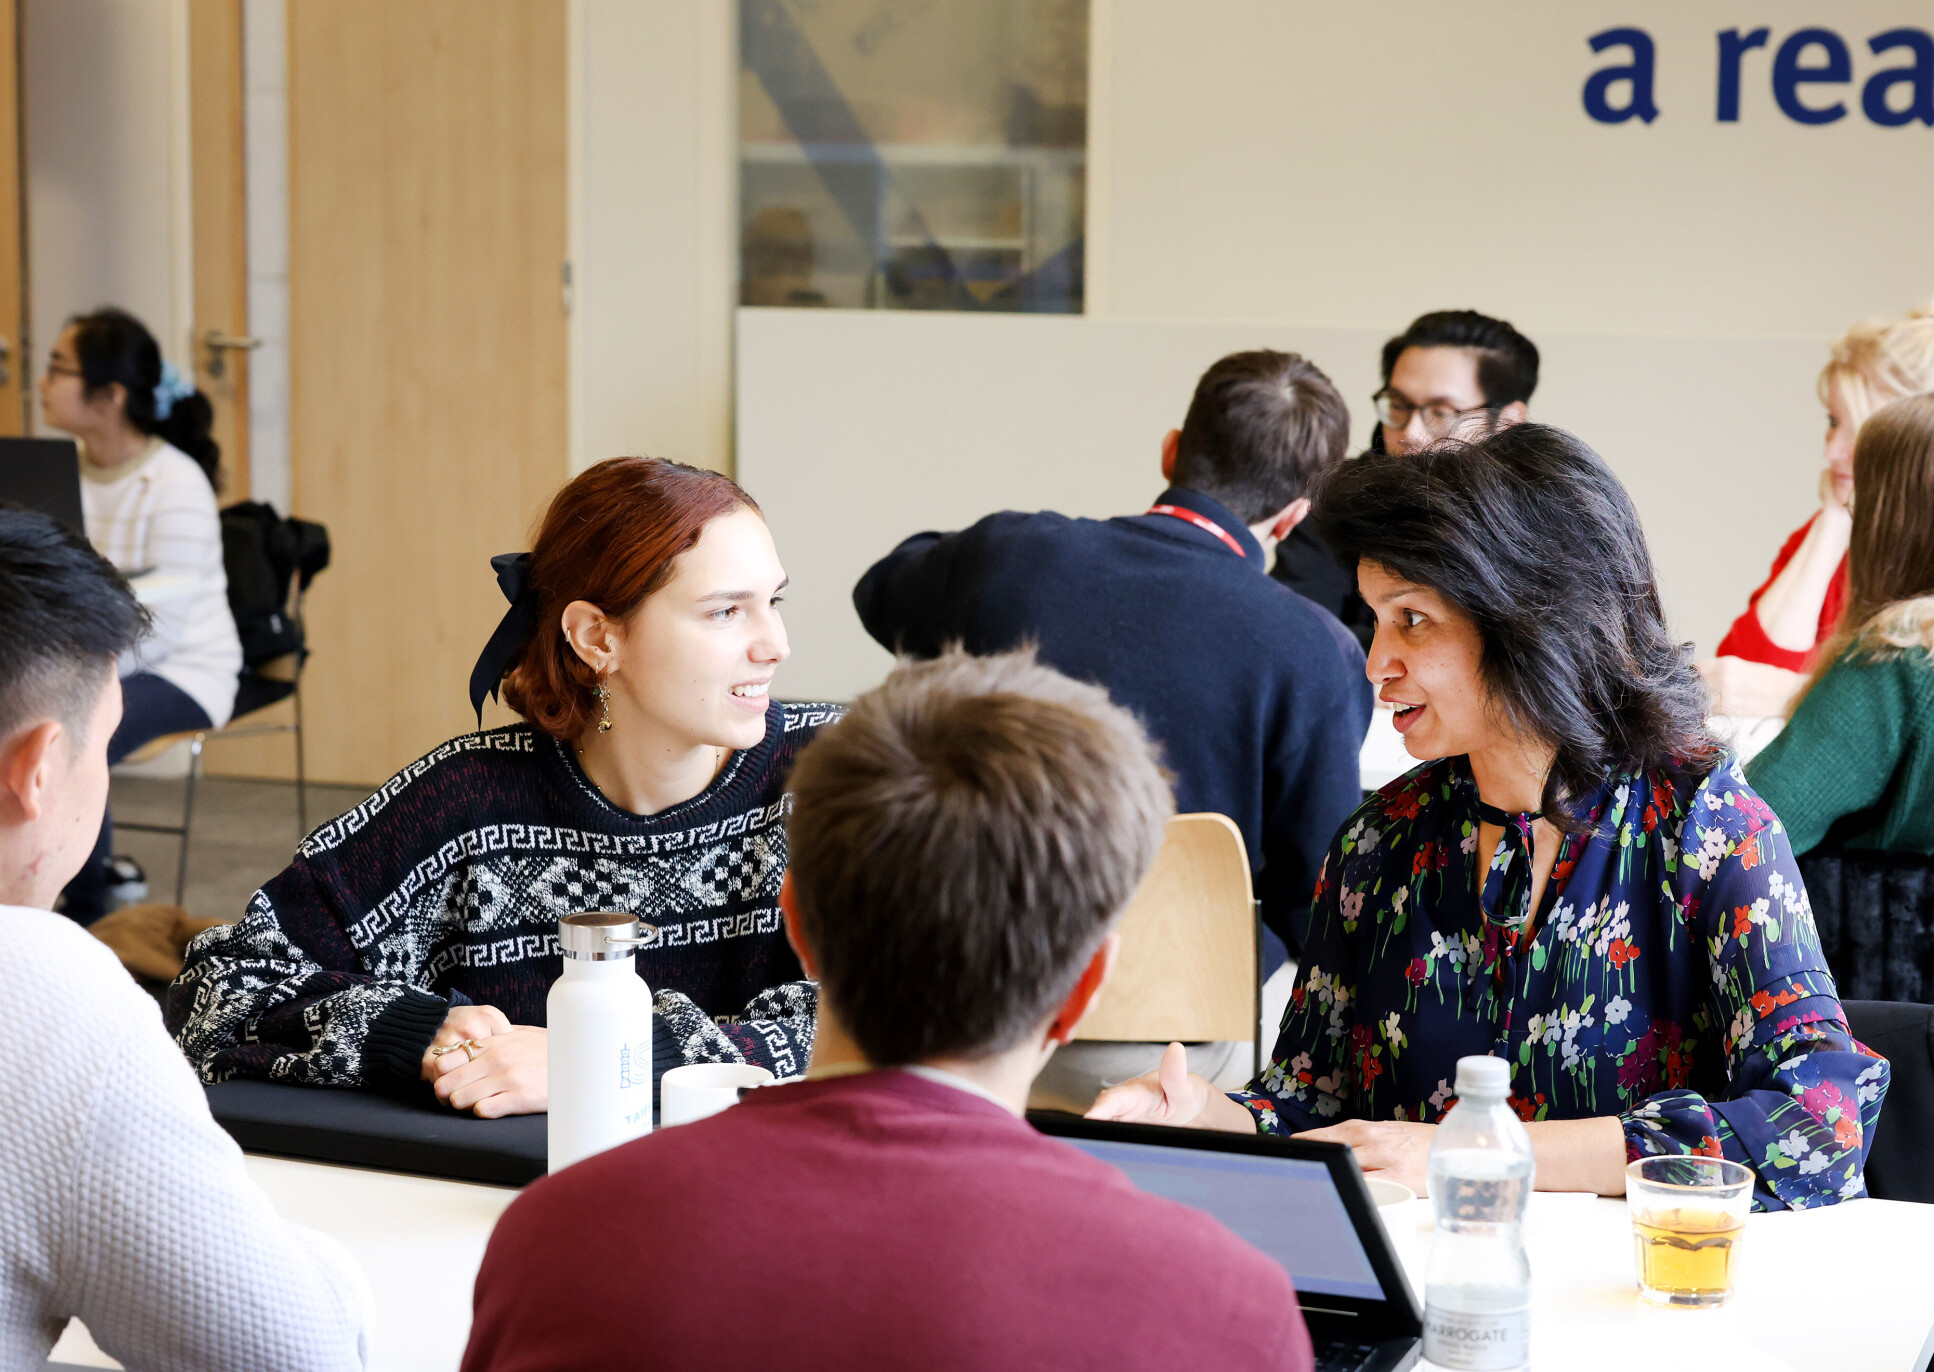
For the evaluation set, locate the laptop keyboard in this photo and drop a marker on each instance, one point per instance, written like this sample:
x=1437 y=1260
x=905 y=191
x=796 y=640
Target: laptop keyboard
x=1342 y=1355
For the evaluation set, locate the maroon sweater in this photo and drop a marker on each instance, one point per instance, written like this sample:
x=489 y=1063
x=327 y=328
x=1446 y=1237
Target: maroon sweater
x=874 y=1221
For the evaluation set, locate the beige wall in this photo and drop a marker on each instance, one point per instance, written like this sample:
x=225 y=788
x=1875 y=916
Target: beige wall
x=654 y=183
x=1354 y=164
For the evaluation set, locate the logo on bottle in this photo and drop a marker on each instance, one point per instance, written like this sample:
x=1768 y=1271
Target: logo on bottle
x=634 y=1065
x=1472 y=1341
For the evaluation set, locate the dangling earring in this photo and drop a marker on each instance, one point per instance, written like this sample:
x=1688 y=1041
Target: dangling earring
x=602 y=693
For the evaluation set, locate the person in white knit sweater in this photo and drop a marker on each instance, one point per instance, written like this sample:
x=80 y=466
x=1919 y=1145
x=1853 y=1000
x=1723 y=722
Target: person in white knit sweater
x=150 y=469
x=122 y=1202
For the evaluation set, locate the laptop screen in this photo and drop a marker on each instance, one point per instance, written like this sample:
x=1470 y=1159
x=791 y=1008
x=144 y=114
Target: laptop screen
x=1287 y=1207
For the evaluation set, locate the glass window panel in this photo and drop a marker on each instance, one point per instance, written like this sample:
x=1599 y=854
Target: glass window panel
x=913 y=154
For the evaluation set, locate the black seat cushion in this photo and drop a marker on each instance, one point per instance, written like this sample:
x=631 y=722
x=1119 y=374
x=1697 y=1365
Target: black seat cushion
x=258 y=693
x=1875 y=913
x=1900 y=1162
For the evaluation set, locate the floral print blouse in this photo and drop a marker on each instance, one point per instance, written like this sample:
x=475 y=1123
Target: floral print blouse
x=1671 y=977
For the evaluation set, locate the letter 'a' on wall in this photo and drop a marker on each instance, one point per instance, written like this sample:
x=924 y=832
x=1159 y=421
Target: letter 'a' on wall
x=1918 y=78
x=1636 y=74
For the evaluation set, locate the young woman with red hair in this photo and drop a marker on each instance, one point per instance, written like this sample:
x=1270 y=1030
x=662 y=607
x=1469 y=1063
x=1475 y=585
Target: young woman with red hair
x=649 y=777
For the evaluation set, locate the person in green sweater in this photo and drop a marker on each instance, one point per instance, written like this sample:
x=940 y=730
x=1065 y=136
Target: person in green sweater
x=1854 y=766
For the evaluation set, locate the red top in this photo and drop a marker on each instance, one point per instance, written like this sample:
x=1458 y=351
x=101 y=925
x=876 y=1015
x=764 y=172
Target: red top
x=879 y=1220
x=1747 y=638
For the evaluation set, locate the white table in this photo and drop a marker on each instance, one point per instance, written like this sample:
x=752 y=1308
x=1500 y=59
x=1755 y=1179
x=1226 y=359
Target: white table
x=418 y=1240
x=1845 y=1287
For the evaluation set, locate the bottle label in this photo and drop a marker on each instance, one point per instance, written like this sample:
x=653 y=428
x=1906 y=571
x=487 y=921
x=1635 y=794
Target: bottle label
x=1477 y=1341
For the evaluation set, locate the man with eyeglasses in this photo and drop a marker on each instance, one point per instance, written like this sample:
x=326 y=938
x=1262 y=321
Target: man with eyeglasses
x=1453 y=374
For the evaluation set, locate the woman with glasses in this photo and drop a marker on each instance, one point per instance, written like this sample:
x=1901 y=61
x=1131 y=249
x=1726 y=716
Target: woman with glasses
x=1576 y=879
x=1761 y=661
x=149 y=471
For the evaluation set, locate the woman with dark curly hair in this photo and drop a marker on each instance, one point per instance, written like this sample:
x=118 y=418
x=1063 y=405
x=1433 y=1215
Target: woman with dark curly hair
x=1576 y=880
x=649 y=778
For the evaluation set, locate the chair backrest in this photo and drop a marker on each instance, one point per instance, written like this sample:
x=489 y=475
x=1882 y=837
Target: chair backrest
x=1900 y=1157
x=1875 y=914
x=1188 y=944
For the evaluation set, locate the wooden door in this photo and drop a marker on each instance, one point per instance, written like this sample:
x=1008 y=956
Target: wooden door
x=220 y=229
x=427 y=346
x=13 y=267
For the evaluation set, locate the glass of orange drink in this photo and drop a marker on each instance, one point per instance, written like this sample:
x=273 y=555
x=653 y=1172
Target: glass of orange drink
x=1688 y=1215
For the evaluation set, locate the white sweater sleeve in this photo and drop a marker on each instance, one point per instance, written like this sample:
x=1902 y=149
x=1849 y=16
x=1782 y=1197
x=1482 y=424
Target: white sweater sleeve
x=169 y=1252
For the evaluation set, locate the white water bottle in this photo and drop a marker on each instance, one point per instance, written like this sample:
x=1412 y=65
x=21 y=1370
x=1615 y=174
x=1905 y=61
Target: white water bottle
x=598 y=1037
x=1477 y=1286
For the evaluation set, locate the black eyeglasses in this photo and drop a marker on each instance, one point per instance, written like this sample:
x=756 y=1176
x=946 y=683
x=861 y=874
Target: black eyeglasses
x=1396 y=411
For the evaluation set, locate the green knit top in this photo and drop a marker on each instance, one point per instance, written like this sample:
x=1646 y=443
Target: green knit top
x=1854 y=767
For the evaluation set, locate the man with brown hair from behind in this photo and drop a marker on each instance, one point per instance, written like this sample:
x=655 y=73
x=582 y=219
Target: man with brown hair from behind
x=962 y=844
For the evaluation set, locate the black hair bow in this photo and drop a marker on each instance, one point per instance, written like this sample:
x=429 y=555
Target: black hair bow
x=513 y=630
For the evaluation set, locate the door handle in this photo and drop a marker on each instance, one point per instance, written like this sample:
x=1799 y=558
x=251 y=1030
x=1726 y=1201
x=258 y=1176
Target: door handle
x=220 y=344
x=6 y=362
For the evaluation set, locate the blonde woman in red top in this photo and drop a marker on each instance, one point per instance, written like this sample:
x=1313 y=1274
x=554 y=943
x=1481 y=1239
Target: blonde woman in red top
x=1761 y=659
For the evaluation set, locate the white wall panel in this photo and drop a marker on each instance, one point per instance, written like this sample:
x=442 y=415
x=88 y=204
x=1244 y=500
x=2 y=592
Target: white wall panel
x=857 y=429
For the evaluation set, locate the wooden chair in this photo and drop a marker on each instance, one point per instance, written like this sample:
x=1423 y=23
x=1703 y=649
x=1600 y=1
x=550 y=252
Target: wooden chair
x=1190 y=955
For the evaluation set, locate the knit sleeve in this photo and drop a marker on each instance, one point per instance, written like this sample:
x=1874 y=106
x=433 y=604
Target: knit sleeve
x=1838 y=753
x=285 y=995
x=170 y=1253
x=902 y=598
x=774 y=1032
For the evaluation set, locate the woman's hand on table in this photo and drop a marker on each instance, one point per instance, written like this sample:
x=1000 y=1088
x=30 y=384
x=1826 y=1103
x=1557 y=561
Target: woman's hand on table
x=509 y=1074
x=1396 y=1150
x=1172 y=1095
x=474 y=1022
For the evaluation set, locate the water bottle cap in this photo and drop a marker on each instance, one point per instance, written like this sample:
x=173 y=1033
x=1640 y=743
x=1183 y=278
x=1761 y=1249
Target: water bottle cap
x=1481 y=1076
x=599 y=936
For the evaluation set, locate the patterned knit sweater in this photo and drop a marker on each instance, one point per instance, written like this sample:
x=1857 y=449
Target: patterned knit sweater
x=445 y=888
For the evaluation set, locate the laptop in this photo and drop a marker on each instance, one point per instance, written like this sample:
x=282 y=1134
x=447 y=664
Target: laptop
x=43 y=474
x=1301 y=1202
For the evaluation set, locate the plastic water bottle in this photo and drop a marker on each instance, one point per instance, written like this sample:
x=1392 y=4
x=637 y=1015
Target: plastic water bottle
x=1477 y=1286
x=598 y=1019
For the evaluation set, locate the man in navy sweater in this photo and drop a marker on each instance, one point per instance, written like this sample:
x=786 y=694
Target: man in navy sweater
x=1257 y=696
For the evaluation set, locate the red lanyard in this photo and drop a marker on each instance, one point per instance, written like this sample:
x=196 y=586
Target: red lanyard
x=1202 y=522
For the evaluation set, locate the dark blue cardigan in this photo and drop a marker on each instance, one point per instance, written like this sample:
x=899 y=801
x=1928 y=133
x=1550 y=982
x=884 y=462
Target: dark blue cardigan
x=1257 y=695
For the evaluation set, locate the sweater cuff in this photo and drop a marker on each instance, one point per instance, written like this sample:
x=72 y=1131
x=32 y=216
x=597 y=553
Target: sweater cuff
x=393 y=1050
x=664 y=1051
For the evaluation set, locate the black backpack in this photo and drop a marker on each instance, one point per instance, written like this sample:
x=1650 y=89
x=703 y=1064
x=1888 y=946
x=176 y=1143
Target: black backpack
x=263 y=553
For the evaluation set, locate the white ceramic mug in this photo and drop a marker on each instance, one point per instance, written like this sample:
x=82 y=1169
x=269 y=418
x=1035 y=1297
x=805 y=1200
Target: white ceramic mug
x=704 y=1088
